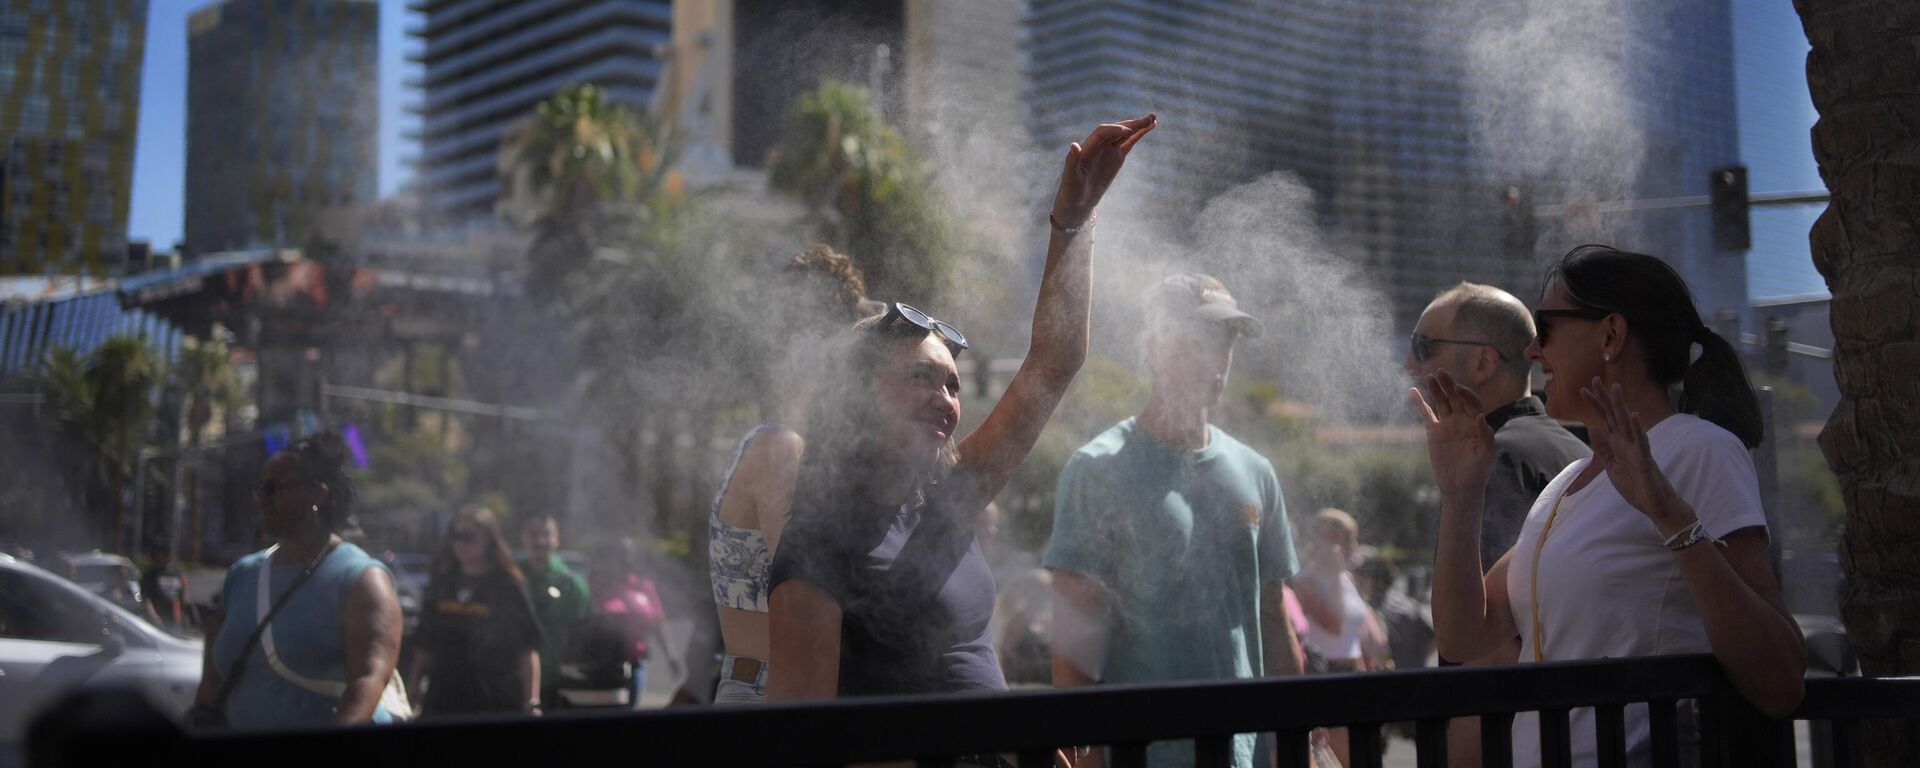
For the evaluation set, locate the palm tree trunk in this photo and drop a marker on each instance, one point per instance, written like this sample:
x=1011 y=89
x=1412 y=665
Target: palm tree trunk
x=1862 y=72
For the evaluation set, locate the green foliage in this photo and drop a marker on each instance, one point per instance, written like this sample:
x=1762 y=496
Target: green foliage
x=411 y=474
x=868 y=196
x=104 y=405
x=204 y=373
x=596 y=171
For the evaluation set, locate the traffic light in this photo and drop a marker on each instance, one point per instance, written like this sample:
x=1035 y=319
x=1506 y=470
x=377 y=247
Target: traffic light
x=1517 y=225
x=1731 y=229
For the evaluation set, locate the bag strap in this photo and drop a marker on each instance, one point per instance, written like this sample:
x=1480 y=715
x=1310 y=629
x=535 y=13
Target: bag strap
x=232 y=679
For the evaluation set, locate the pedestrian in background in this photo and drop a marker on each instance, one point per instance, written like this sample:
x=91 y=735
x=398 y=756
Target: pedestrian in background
x=560 y=597
x=165 y=587
x=478 y=645
x=310 y=627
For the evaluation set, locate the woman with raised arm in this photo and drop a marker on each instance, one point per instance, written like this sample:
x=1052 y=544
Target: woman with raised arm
x=878 y=584
x=1657 y=545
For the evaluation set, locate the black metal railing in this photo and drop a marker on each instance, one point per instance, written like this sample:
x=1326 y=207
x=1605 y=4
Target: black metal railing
x=1031 y=724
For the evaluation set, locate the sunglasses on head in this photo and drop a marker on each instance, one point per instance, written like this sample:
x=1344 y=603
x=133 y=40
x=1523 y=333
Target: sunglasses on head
x=1540 y=324
x=918 y=319
x=1423 y=347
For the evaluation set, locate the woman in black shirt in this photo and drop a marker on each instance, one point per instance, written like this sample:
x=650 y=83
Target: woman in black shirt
x=878 y=586
x=478 y=643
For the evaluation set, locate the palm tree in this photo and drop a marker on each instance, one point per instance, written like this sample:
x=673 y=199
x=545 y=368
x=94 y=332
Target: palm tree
x=867 y=195
x=579 y=167
x=204 y=374
x=1862 y=72
x=104 y=404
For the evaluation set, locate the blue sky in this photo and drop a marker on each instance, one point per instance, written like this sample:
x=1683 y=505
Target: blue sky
x=160 y=157
x=1776 y=113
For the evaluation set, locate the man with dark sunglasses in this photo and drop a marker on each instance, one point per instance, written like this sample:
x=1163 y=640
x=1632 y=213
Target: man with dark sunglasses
x=1480 y=334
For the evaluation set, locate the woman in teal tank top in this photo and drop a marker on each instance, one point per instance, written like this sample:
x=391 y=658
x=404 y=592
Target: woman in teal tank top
x=332 y=649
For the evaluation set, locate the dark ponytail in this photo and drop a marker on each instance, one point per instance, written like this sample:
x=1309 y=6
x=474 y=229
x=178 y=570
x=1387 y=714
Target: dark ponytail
x=1715 y=388
x=323 y=456
x=1659 y=309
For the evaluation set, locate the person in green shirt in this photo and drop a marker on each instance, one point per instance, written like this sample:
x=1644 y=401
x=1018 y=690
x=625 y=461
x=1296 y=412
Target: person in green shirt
x=559 y=597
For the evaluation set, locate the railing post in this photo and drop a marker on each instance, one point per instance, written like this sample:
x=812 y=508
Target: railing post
x=1363 y=745
x=1291 y=750
x=1213 y=752
x=1430 y=743
x=1496 y=740
x=1556 y=746
x=1129 y=755
x=1846 y=746
x=1666 y=737
x=1610 y=735
x=1713 y=733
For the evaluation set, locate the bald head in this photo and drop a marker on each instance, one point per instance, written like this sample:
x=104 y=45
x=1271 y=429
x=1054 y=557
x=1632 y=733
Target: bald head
x=1484 y=315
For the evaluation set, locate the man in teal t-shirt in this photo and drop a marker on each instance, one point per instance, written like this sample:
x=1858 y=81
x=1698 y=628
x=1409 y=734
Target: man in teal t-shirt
x=1170 y=538
x=559 y=598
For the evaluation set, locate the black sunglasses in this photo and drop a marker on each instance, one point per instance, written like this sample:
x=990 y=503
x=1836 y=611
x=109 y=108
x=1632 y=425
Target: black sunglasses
x=947 y=333
x=1423 y=347
x=266 y=489
x=1540 y=316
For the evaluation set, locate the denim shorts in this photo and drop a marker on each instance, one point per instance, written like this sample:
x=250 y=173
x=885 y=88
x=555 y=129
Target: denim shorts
x=735 y=690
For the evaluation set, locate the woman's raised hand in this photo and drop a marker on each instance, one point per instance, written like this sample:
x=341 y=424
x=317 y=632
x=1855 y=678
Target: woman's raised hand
x=1620 y=449
x=1092 y=165
x=1459 y=440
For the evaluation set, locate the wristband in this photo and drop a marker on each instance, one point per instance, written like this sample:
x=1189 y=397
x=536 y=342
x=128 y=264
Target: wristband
x=1074 y=230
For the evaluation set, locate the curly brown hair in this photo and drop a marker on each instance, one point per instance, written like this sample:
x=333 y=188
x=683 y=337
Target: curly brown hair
x=830 y=282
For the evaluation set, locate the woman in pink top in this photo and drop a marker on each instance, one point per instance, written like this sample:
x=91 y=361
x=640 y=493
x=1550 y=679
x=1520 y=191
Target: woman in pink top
x=623 y=591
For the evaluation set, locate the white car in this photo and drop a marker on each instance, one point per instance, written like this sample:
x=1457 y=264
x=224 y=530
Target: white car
x=56 y=637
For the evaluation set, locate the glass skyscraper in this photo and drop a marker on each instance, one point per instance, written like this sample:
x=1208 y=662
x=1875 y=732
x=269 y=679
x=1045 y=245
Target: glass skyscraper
x=69 y=104
x=489 y=62
x=282 y=118
x=1411 y=121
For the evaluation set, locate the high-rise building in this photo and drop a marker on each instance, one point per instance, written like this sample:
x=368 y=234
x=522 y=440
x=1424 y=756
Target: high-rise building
x=489 y=62
x=785 y=48
x=1776 y=123
x=69 y=104
x=1412 y=121
x=282 y=118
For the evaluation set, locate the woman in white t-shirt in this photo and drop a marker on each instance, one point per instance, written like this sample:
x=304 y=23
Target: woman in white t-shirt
x=1657 y=545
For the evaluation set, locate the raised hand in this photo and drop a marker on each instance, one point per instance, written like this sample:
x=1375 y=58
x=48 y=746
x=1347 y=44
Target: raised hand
x=1092 y=165
x=1459 y=441
x=1620 y=449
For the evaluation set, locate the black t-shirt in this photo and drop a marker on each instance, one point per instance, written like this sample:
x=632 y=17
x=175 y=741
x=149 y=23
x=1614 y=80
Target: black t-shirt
x=915 y=596
x=1530 y=449
x=477 y=628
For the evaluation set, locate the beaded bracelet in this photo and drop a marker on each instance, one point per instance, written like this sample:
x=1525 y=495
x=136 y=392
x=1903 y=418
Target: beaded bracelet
x=1689 y=536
